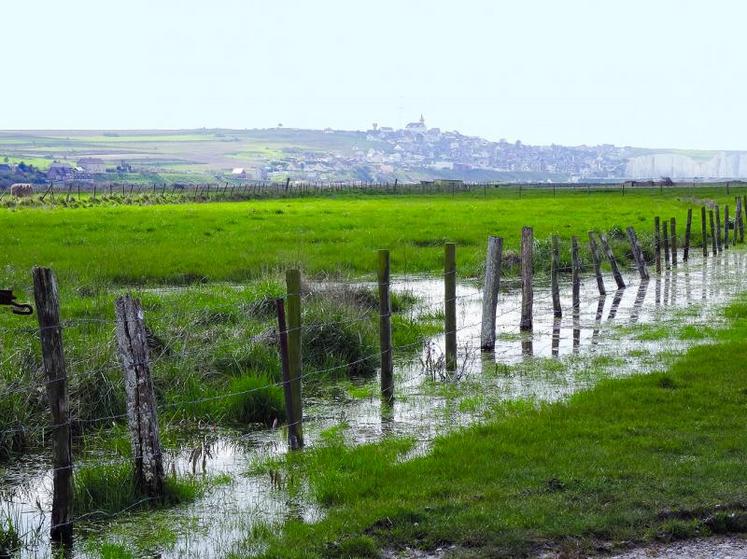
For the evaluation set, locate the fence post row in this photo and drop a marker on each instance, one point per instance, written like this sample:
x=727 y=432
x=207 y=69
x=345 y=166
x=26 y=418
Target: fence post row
x=295 y=362
x=490 y=291
x=385 y=327
x=132 y=348
x=450 y=325
x=50 y=333
x=527 y=291
x=554 y=273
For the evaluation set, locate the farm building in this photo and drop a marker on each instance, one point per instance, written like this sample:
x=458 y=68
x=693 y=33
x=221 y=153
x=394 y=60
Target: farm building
x=60 y=172
x=92 y=165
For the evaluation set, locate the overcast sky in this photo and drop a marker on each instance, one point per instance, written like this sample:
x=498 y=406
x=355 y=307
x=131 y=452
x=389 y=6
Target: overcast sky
x=653 y=73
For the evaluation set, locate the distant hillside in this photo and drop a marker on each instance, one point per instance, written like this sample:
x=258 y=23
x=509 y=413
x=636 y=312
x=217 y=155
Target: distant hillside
x=413 y=153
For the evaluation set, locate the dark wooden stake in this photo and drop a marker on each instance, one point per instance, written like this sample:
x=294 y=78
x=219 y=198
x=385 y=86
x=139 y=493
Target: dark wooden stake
x=613 y=261
x=726 y=226
x=673 y=232
x=596 y=261
x=657 y=244
x=575 y=273
x=688 y=229
x=450 y=326
x=717 y=212
x=713 y=231
x=527 y=290
x=704 y=231
x=665 y=235
x=292 y=420
x=554 y=273
x=385 y=328
x=490 y=292
x=637 y=254
x=295 y=361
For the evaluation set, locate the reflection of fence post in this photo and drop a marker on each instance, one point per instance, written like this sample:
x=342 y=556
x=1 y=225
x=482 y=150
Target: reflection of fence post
x=490 y=291
x=688 y=228
x=637 y=254
x=575 y=273
x=596 y=261
x=527 y=272
x=50 y=331
x=385 y=327
x=141 y=402
x=293 y=421
x=704 y=231
x=657 y=244
x=450 y=304
x=554 y=273
x=613 y=261
x=295 y=360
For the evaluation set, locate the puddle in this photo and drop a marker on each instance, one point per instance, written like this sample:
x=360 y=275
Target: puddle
x=623 y=333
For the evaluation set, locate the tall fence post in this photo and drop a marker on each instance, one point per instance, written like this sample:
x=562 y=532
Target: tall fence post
x=704 y=231
x=53 y=356
x=295 y=360
x=665 y=235
x=713 y=232
x=673 y=232
x=717 y=212
x=490 y=291
x=688 y=229
x=575 y=273
x=637 y=254
x=741 y=211
x=527 y=273
x=612 y=260
x=450 y=305
x=738 y=224
x=554 y=273
x=293 y=421
x=657 y=244
x=132 y=347
x=726 y=226
x=385 y=327
x=596 y=261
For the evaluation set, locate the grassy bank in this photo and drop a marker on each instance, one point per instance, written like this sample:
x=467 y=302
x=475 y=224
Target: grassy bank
x=660 y=456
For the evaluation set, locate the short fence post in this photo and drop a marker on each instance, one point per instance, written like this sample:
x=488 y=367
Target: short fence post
x=385 y=327
x=490 y=291
x=704 y=231
x=295 y=362
x=665 y=235
x=613 y=261
x=293 y=421
x=450 y=305
x=554 y=272
x=673 y=232
x=637 y=254
x=50 y=332
x=527 y=290
x=657 y=243
x=717 y=211
x=688 y=228
x=726 y=226
x=132 y=348
x=597 y=263
x=575 y=273
x=713 y=232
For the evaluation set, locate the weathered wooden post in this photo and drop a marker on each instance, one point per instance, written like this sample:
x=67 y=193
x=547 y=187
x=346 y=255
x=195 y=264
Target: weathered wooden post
x=726 y=226
x=385 y=327
x=738 y=223
x=527 y=289
x=717 y=212
x=295 y=360
x=596 y=261
x=554 y=273
x=665 y=234
x=450 y=326
x=53 y=356
x=657 y=244
x=673 y=231
x=704 y=231
x=490 y=291
x=613 y=261
x=688 y=229
x=637 y=254
x=713 y=232
x=293 y=421
x=132 y=347
x=575 y=273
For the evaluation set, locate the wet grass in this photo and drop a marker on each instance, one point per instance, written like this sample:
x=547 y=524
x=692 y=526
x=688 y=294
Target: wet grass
x=659 y=456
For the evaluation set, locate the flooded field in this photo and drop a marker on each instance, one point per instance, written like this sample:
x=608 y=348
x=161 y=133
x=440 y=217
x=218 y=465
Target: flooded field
x=635 y=330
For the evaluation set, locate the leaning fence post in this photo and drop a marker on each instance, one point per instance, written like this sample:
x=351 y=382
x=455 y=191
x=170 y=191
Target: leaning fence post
x=132 y=348
x=293 y=421
x=688 y=227
x=613 y=261
x=527 y=290
x=554 y=272
x=597 y=264
x=713 y=232
x=575 y=273
x=726 y=226
x=50 y=333
x=657 y=244
x=704 y=231
x=637 y=254
x=717 y=212
x=450 y=305
x=673 y=233
x=385 y=327
x=490 y=291
x=295 y=362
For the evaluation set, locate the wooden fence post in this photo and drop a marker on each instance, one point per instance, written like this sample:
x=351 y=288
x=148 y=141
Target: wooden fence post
x=292 y=420
x=665 y=234
x=673 y=232
x=490 y=291
x=738 y=224
x=450 y=326
x=637 y=254
x=554 y=272
x=385 y=327
x=612 y=260
x=704 y=231
x=717 y=212
x=596 y=261
x=726 y=226
x=575 y=273
x=132 y=348
x=527 y=290
x=53 y=356
x=657 y=244
x=295 y=359
x=713 y=232
x=742 y=209
x=688 y=228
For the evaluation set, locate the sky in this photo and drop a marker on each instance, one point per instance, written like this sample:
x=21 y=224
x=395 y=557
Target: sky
x=649 y=73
